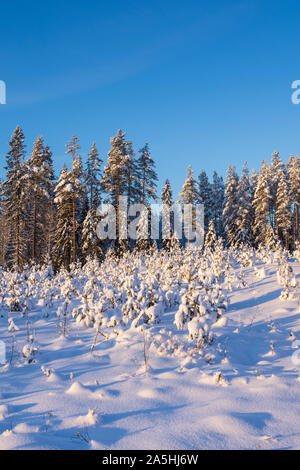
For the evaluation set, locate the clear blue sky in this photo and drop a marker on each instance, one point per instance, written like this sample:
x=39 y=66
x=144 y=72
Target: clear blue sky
x=206 y=83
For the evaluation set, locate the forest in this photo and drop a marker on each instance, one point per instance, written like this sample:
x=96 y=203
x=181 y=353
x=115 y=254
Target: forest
x=49 y=220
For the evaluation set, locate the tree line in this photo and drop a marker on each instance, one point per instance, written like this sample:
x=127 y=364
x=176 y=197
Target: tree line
x=47 y=220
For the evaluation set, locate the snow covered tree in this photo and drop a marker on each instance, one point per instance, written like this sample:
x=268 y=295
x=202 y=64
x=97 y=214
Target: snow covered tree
x=270 y=238
x=73 y=147
x=205 y=198
x=276 y=168
x=91 y=247
x=293 y=168
x=147 y=176
x=41 y=178
x=131 y=187
x=283 y=210
x=189 y=195
x=64 y=226
x=167 y=216
x=4 y=230
x=15 y=208
x=114 y=177
x=50 y=213
x=143 y=242
x=93 y=177
x=245 y=214
x=210 y=238
x=231 y=205
x=79 y=200
x=79 y=205
x=218 y=197
x=166 y=194
x=261 y=204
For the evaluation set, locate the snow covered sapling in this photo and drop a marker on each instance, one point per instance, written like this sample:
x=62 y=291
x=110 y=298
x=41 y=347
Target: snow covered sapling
x=29 y=350
x=48 y=419
x=62 y=314
x=12 y=328
x=145 y=349
x=47 y=372
x=98 y=333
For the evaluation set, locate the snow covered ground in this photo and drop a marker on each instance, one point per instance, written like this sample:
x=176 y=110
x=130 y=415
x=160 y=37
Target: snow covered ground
x=241 y=391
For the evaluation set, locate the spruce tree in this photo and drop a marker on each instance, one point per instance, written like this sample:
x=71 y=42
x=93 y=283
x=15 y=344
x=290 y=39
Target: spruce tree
x=143 y=242
x=50 y=209
x=93 y=177
x=189 y=195
x=283 y=210
x=218 y=198
x=245 y=216
x=15 y=208
x=205 y=198
x=270 y=238
x=147 y=176
x=231 y=207
x=64 y=227
x=261 y=204
x=275 y=170
x=293 y=168
x=91 y=246
x=167 y=216
x=131 y=186
x=210 y=239
x=41 y=185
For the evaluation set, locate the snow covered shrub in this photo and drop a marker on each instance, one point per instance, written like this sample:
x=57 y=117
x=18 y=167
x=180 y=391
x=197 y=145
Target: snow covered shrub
x=29 y=351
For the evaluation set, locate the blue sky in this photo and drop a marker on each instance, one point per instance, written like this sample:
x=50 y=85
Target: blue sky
x=206 y=83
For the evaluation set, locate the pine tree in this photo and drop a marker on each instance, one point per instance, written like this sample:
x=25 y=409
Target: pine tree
x=15 y=208
x=261 y=204
x=79 y=200
x=231 y=207
x=147 y=175
x=73 y=147
x=114 y=177
x=79 y=205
